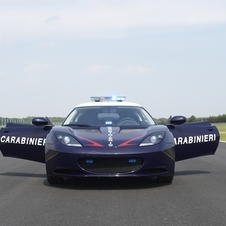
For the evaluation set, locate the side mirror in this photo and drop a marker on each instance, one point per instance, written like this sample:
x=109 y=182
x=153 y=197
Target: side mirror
x=40 y=121
x=177 y=120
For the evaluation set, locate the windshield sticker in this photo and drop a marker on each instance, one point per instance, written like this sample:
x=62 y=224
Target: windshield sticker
x=23 y=140
x=195 y=139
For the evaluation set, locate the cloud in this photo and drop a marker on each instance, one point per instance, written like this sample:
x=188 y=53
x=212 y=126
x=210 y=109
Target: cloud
x=53 y=18
x=47 y=45
x=35 y=73
x=36 y=67
x=92 y=17
x=137 y=70
x=98 y=69
x=31 y=79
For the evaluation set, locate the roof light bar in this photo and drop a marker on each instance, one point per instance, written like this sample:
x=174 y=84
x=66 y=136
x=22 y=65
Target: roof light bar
x=108 y=98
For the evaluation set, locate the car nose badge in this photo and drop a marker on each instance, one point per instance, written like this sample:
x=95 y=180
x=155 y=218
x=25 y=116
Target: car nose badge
x=110 y=137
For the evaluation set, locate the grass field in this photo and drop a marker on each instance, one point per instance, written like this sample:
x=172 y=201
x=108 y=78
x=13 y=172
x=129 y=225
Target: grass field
x=222 y=129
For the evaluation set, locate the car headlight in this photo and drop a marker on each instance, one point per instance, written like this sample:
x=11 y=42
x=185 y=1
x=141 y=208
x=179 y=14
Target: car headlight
x=153 y=139
x=68 y=140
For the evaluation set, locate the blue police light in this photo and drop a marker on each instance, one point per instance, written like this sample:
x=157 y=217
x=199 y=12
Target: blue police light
x=89 y=161
x=132 y=161
x=119 y=98
x=108 y=98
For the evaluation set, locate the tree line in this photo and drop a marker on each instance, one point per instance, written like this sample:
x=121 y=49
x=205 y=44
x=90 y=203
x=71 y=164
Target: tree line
x=28 y=120
x=212 y=119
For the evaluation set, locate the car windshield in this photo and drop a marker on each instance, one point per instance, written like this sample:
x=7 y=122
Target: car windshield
x=109 y=116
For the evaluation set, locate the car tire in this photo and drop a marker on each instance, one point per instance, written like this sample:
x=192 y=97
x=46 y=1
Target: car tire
x=165 y=179
x=55 y=180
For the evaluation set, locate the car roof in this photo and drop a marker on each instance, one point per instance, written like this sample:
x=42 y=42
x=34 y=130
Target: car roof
x=109 y=103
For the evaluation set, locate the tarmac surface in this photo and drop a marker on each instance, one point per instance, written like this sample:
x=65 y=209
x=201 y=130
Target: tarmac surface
x=197 y=197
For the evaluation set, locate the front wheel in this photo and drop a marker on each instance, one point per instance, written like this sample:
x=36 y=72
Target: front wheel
x=165 y=179
x=55 y=180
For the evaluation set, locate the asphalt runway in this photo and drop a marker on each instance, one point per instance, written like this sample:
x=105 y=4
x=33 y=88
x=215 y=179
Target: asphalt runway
x=196 y=197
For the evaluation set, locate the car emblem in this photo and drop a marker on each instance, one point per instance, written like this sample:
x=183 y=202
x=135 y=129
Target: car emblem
x=110 y=145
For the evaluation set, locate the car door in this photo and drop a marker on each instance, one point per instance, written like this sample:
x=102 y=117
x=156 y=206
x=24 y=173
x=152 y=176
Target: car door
x=194 y=139
x=25 y=141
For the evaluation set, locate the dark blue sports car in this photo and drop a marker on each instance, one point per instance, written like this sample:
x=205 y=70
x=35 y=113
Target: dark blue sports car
x=109 y=137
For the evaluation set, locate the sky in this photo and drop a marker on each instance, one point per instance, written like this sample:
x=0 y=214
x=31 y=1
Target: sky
x=167 y=55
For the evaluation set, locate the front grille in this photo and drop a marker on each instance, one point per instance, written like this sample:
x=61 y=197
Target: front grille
x=110 y=165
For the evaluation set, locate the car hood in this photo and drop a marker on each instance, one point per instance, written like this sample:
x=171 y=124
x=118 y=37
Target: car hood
x=110 y=136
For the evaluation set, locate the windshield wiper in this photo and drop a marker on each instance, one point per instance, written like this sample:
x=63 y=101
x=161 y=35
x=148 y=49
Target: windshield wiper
x=78 y=124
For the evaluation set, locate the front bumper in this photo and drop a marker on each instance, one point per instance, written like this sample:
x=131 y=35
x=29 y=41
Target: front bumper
x=123 y=162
